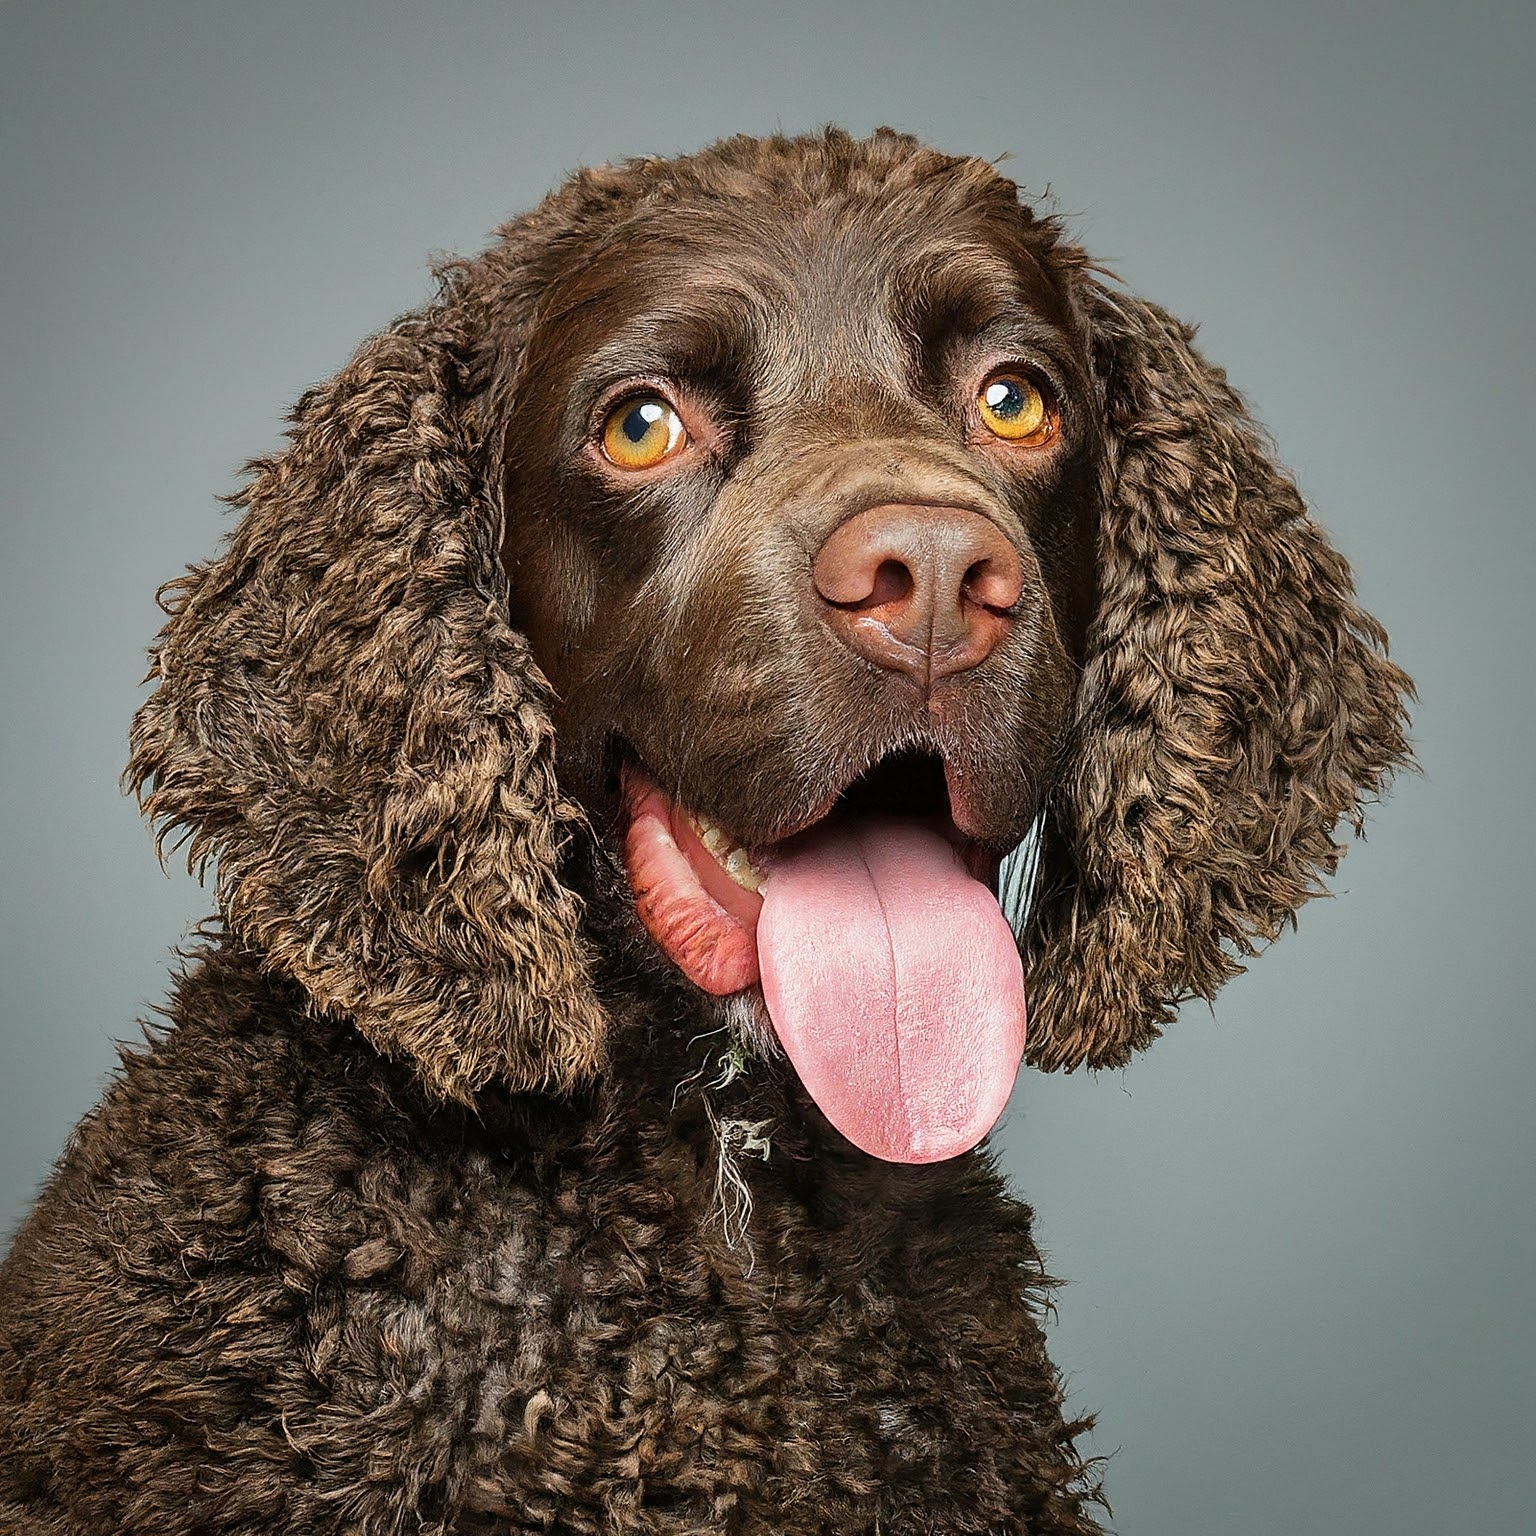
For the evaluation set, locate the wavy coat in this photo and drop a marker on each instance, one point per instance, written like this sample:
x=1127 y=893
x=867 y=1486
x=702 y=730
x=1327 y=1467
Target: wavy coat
x=416 y=1216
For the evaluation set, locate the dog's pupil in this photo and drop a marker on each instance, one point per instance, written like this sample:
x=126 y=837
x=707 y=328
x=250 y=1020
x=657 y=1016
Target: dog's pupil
x=1005 y=398
x=638 y=423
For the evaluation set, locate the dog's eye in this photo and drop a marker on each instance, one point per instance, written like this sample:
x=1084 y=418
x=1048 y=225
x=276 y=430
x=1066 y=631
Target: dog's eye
x=642 y=431
x=1015 y=409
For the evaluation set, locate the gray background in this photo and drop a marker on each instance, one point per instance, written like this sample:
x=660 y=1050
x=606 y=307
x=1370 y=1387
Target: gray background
x=1299 y=1233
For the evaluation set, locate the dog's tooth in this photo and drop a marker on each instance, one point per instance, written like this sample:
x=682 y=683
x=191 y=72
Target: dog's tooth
x=726 y=854
x=712 y=837
x=742 y=870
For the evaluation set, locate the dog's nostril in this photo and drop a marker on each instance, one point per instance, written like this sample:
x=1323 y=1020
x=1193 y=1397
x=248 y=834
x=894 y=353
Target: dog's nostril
x=987 y=585
x=893 y=583
x=858 y=586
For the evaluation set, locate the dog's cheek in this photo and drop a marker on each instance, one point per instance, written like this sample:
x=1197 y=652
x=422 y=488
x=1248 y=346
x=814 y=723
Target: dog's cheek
x=552 y=595
x=571 y=578
x=1064 y=535
x=724 y=705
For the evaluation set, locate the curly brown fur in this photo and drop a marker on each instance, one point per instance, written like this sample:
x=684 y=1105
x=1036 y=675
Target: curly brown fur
x=345 y=722
x=465 y=1267
x=1236 y=706
x=277 y=1288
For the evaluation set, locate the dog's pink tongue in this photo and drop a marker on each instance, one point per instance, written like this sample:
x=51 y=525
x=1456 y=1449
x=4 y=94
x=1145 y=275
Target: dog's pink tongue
x=894 y=985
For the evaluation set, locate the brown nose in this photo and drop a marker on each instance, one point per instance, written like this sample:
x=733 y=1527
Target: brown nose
x=928 y=591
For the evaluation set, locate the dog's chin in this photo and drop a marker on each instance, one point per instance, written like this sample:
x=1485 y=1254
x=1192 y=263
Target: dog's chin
x=889 y=973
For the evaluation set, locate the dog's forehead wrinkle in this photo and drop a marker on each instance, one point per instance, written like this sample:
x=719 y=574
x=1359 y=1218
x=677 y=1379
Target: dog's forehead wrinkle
x=824 y=298
x=819 y=364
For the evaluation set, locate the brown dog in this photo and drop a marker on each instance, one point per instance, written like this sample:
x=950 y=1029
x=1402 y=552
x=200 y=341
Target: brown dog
x=608 y=721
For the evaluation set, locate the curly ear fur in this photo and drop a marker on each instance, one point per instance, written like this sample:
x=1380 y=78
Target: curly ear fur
x=1234 y=706
x=347 y=724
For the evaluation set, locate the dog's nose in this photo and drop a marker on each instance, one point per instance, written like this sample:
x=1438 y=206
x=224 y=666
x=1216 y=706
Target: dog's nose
x=928 y=591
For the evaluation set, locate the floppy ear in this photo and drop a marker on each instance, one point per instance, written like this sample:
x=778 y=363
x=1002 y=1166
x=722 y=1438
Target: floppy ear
x=347 y=724
x=1235 y=705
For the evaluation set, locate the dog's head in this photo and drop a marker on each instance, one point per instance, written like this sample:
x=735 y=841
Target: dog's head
x=801 y=524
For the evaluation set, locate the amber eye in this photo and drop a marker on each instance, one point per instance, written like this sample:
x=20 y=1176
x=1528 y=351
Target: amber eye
x=642 y=431
x=1015 y=409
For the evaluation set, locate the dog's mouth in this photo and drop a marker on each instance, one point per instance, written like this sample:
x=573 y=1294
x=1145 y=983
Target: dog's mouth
x=890 y=974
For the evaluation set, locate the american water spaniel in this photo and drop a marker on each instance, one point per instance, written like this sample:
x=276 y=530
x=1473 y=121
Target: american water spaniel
x=670 y=704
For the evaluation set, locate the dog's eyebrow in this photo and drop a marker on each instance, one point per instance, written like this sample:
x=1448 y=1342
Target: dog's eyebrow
x=677 y=341
x=691 y=337
x=1020 y=333
x=965 y=302
x=690 y=341
x=968 y=289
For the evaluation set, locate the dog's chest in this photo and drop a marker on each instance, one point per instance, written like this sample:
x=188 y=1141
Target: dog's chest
x=617 y=1368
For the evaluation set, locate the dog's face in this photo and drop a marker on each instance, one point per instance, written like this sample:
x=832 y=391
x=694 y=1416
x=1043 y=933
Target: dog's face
x=805 y=519
x=801 y=508
x=789 y=494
